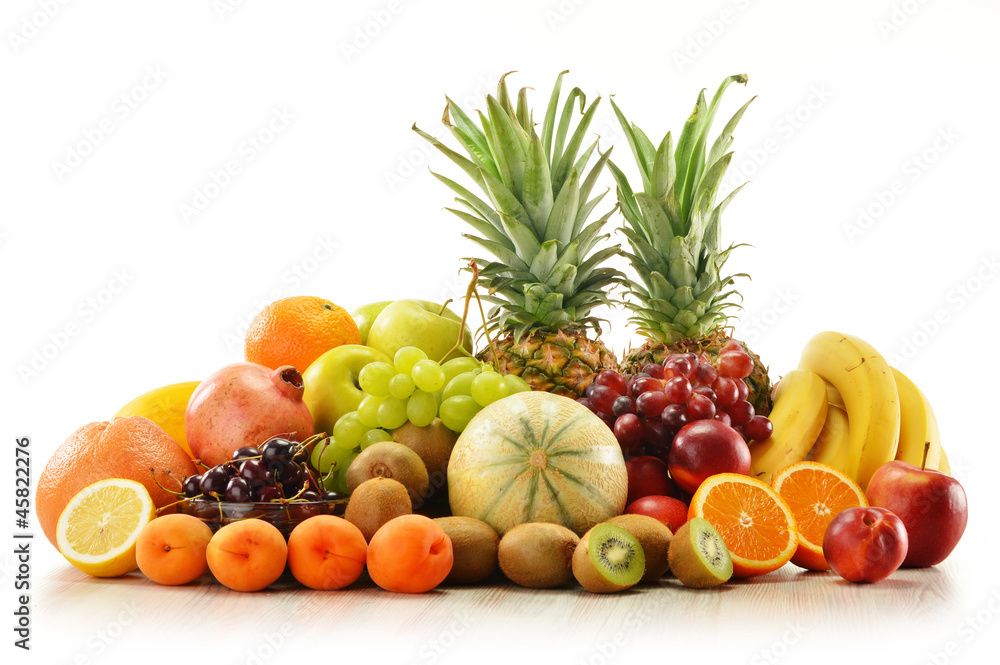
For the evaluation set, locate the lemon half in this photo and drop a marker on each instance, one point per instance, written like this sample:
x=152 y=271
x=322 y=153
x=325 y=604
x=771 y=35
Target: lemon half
x=98 y=529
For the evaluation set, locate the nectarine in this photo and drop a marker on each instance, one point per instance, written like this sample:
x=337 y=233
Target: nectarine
x=248 y=555
x=171 y=550
x=865 y=544
x=326 y=552
x=410 y=554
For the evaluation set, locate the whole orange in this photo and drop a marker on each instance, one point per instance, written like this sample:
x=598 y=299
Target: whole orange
x=123 y=448
x=298 y=330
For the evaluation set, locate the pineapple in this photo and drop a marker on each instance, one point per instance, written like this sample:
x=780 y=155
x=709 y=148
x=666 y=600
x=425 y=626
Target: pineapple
x=546 y=277
x=672 y=227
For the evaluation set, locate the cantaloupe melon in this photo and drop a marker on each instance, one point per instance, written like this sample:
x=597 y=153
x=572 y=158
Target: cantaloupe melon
x=537 y=457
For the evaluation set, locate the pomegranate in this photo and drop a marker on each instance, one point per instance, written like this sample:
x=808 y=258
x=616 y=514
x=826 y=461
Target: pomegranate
x=245 y=404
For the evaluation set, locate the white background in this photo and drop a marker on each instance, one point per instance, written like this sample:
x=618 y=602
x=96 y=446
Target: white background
x=881 y=106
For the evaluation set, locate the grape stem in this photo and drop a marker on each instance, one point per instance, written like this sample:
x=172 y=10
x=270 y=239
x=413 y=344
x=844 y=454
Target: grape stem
x=471 y=291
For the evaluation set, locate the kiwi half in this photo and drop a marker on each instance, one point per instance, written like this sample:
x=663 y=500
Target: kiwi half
x=475 y=546
x=375 y=502
x=698 y=556
x=538 y=555
x=607 y=559
x=388 y=459
x=654 y=536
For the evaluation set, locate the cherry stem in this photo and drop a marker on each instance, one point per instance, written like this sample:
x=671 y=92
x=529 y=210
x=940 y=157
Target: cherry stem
x=927 y=449
x=170 y=505
x=152 y=470
x=329 y=472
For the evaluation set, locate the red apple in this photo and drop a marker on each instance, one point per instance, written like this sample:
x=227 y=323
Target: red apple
x=865 y=544
x=672 y=512
x=931 y=504
x=647 y=475
x=704 y=448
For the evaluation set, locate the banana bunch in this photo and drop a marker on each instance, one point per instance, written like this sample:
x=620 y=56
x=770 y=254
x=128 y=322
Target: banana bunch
x=800 y=409
x=846 y=407
x=165 y=406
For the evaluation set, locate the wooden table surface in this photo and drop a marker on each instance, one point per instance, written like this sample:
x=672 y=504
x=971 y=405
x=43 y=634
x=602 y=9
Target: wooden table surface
x=915 y=616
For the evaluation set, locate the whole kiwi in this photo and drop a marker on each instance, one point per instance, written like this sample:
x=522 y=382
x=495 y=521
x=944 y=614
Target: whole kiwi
x=433 y=444
x=388 y=459
x=375 y=502
x=654 y=536
x=475 y=546
x=608 y=559
x=538 y=555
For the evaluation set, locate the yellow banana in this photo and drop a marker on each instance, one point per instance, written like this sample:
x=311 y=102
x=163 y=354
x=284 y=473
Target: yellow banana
x=944 y=466
x=834 y=441
x=800 y=406
x=917 y=426
x=165 y=406
x=833 y=396
x=866 y=384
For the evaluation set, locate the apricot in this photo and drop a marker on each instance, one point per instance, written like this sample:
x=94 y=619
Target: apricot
x=171 y=549
x=410 y=554
x=326 y=552
x=248 y=555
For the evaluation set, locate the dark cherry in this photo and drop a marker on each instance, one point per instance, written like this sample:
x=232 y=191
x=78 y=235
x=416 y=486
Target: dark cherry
x=299 y=453
x=245 y=452
x=330 y=495
x=238 y=490
x=277 y=451
x=309 y=477
x=214 y=480
x=254 y=471
x=267 y=493
x=309 y=495
x=192 y=486
x=290 y=489
x=290 y=474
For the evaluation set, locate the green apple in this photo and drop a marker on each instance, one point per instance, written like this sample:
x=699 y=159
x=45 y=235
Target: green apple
x=331 y=383
x=365 y=315
x=426 y=325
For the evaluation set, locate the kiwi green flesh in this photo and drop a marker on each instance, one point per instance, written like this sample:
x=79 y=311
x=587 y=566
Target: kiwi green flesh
x=616 y=554
x=654 y=536
x=698 y=556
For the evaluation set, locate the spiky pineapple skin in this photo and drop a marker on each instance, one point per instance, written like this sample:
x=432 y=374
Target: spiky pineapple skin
x=563 y=362
x=758 y=383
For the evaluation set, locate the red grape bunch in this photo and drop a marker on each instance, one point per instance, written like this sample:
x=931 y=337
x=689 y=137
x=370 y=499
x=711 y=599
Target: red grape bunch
x=646 y=410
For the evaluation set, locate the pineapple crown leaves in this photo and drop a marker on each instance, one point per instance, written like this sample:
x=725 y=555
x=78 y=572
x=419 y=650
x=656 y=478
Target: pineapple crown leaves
x=533 y=209
x=673 y=224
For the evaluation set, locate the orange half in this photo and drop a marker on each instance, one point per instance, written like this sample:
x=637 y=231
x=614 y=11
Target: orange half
x=756 y=524
x=816 y=493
